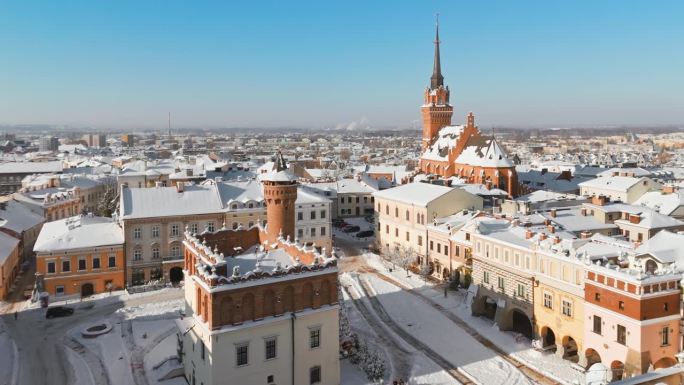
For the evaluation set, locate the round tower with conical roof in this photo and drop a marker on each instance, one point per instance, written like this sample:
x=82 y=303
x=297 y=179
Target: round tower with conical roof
x=280 y=193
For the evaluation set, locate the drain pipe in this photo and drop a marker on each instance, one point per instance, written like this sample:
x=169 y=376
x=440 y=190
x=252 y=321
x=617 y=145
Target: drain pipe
x=293 y=317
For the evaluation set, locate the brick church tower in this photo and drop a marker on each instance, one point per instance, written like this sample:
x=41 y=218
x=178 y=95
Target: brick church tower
x=280 y=193
x=436 y=110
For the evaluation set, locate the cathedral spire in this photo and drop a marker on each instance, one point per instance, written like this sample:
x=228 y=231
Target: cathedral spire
x=437 y=79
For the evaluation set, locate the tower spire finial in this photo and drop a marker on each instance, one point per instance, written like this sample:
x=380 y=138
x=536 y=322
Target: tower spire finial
x=436 y=80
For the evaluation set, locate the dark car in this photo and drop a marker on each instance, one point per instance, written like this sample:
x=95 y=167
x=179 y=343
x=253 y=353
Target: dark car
x=59 y=311
x=365 y=234
x=351 y=229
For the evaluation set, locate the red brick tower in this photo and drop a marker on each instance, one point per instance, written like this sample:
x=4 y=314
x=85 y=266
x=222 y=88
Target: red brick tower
x=436 y=110
x=280 y=193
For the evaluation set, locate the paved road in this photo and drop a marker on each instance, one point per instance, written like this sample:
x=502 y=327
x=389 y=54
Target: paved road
x=39 y=340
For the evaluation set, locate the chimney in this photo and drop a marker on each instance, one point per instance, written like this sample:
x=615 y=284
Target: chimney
x=583 y=211
x=556 y=239
x=585 y=235
x=551 y=228
x=600 y=200
x=553 y=213
x=529 y=234
x=180 y=187
x=542 y=236
x=634 y=218
x=669 y=189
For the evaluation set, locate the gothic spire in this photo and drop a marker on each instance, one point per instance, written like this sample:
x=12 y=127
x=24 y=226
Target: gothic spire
x=436 y=79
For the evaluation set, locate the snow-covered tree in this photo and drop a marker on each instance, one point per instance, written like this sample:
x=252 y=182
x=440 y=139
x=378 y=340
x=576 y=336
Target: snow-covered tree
x=404 y=257
x=374 y=366
x=425 y=271
x=109 y=201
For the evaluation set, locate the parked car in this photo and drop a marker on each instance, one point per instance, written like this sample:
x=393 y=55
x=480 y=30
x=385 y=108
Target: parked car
x=365 y=234
x=59 y=311
x=351 y=229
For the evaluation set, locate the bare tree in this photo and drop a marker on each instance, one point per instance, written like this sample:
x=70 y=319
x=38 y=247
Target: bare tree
x=109 y=201
x=425 y=271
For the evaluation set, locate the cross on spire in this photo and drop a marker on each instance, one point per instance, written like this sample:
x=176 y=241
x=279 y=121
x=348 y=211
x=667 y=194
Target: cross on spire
x=436 y=80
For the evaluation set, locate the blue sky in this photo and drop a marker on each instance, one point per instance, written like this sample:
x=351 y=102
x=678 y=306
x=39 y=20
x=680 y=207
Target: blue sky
x=328 y=63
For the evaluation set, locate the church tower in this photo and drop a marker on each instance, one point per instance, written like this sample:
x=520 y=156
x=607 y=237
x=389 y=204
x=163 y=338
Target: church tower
x=280 y=193
x=436 y=110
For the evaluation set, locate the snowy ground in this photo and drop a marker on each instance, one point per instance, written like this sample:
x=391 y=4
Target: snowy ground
x=141 y=337
x=8 y=369
x=402 y=360
x=448 y=340
x=546 y=363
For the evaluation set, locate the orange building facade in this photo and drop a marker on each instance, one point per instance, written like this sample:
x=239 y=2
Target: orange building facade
x=81 y=255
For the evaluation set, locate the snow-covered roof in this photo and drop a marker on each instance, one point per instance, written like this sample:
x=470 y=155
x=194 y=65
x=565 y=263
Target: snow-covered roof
x=545 y=196
x=616 y=183
x=78 y=232
x=666 y=246
x=446 y=138
x=167 y=201
x=573 y=220
x=663 y=203
x=17 y=217
x=30 y=167
x=418 y=193
x=484 y=152
x=7 y=245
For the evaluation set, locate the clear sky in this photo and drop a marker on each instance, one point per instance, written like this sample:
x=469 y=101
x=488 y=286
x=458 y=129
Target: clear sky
x=328 y=63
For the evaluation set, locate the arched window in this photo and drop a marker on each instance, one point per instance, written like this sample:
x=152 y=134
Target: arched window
x=407 y=215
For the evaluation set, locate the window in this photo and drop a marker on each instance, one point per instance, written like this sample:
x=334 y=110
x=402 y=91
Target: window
x=300 y=216
x=66 y=266
x=665 y=307
x=567 y=308
x=420 y=240
x=137 y=233
x=270 y=347
x=203 y=350
x=501 y=283
x=155 y=253
x=81 y=264
x=270 y=379
x=597 y=297
x=597 y=324
x=521 y=290
x=439 y=247
x=241 y=353
x=396 y=231
x=315 y=375
x=432 y=245
x=193 y=228
x=96 y=262
x=322 y=231
x=175 y=230
x=59 y=290
x=137 y=255
x=407 y=236
x=175 y=251
x=235 y=225
x=313 y=215
x=407 y=215
x=300 y=233
x=665 y=336
x=322 y=214
x=210 y=227
x=485 y=277
x=51 y=267
x=621 y=305
x=315 y=338
x=621 y=334
x=313 y=231
x=396 y=212
x=112 y=261
x=548 y=300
